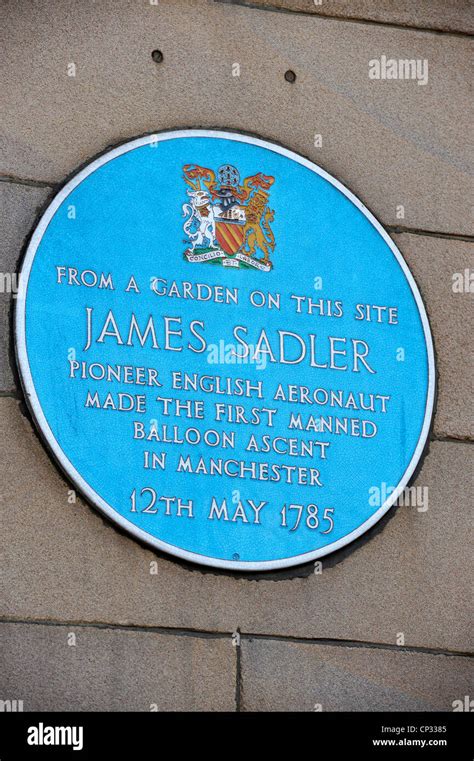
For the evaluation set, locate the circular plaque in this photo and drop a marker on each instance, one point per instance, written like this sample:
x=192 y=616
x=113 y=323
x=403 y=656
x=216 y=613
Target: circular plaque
x=224 y=350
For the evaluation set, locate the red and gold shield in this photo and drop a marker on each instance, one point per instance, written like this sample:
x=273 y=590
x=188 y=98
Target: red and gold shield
x=230 y=236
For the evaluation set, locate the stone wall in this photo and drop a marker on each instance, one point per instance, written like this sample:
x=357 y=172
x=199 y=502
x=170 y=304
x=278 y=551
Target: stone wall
x=385 y=625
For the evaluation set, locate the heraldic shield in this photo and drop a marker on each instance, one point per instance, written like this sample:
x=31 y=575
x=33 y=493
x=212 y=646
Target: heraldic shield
x=230 y=235
x=228 y=222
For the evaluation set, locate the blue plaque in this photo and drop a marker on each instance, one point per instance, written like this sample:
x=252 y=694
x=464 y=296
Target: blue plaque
x=224 y=350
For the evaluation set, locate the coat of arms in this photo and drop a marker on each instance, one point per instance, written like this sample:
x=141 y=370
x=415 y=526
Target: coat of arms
x=227 y=221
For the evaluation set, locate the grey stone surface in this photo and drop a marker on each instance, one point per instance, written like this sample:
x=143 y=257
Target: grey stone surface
x=63 y=561
x=392 y=142
x=19 y=205
x=287 y=676
x=455 y=15
x=436 y=264
x=67 y=570
x=115 y=670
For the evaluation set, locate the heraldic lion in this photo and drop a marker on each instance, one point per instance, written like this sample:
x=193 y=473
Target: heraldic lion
x=258 y=234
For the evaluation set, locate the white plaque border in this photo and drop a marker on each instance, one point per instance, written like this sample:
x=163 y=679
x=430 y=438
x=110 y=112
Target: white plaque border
x=60 y=456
